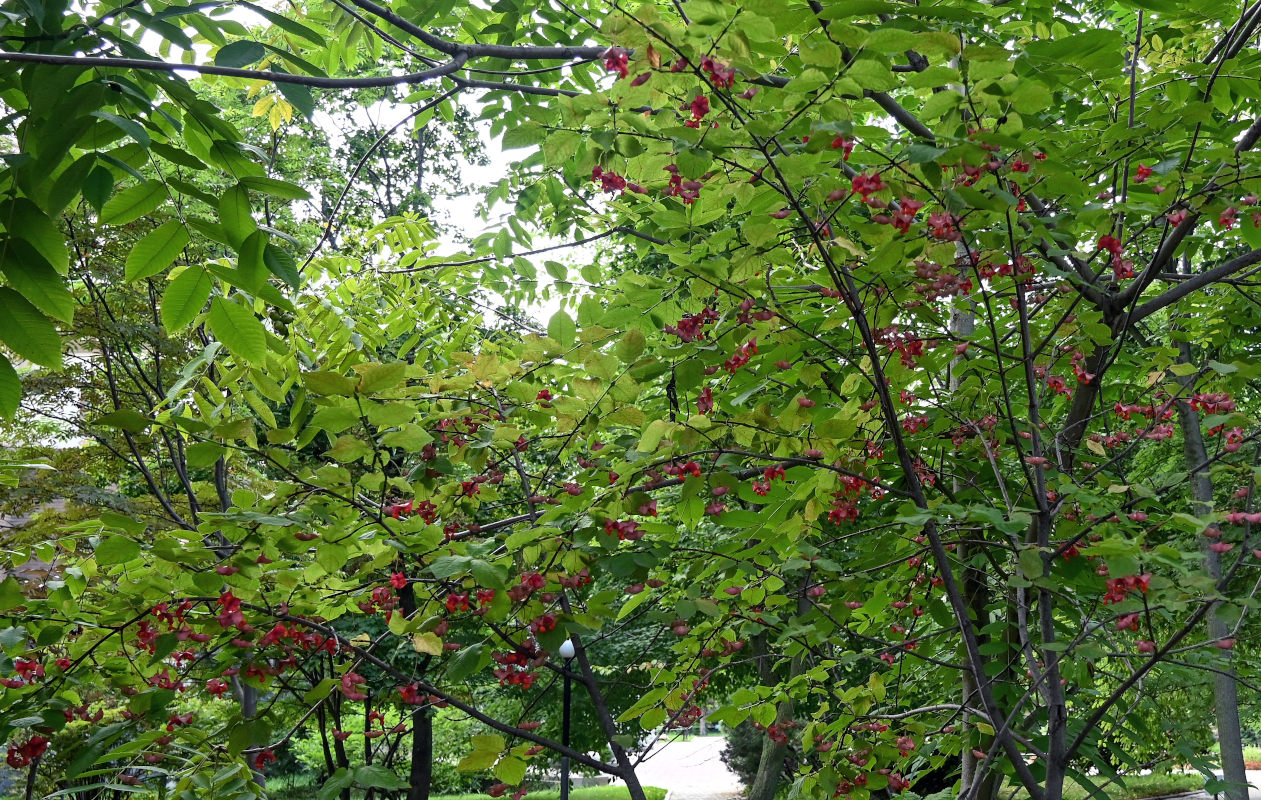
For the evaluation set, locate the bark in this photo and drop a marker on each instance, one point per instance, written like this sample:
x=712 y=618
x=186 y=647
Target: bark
x=770 y=766
x=963 y=325
x=421 y=776
x=1225 y=684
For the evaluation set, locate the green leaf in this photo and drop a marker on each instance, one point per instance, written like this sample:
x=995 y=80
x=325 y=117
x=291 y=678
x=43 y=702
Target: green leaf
x=330 y=383
x=93 y=749
x=510 y=770
x=97 y=186
x=238 y=329
x=281 y=264
x=27 y=332
x=370 y=775
x=185 y=297
x=124 y=419
x=157 y=250
x=375 y=378
x=32 y=275
x=203 y=454
x=133 y=203
x=631 y=345
x=465 y=662
x=68 y=186
x=128 y=126
x=288 y=25
x=234 y=214
x=561 y=327
x=276 y=188
x=116 y=550
x=240 y=54
x=478 y=760
x=341 y=779
x=1031 y=563
x=10 y=388
x=25 y=220
x=871 y=74
x=299 y=97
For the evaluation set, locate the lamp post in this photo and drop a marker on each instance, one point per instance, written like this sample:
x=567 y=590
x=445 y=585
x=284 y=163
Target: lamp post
x=566 y=652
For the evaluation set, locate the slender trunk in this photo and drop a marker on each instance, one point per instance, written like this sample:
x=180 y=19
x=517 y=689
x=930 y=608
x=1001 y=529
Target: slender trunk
x=1225 y=685
x=626 y=770
x=339 y=747
x=963 y=325
x=421 y=777
x=247 y=696
x=329 y=766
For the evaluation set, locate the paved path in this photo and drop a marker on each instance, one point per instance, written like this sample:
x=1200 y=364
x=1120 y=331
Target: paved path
x=691 y=770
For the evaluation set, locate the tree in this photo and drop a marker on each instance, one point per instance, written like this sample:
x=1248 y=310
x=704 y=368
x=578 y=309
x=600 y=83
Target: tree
x=906 y=306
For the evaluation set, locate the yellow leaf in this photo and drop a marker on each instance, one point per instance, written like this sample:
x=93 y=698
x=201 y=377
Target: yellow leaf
x=275 y=118
x=427 y=643
x=263 y=105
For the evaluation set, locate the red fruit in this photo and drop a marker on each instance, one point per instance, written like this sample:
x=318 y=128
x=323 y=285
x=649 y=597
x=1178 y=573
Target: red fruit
x=805 y=402
x=226 y=569
x=734 y=590
x=816 y=591
x=1146 y=646
x=635 y=588
x=1224 y=644
x=306 y=536
x=813 y=453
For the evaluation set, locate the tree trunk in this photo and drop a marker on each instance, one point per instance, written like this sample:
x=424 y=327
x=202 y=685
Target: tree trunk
x=421 y=777
x=1225 y=685
x=770 y=765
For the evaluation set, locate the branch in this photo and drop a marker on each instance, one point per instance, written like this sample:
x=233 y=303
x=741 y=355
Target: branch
x=1195 y=283
x=456 y=62
x=510 y=52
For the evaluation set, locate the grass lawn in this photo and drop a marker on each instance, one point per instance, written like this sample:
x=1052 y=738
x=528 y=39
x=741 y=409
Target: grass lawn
x=584 y=793
x=1136 y=787
x=1252 y=757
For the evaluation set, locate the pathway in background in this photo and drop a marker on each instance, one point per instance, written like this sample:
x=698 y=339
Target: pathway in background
x=691 y=770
